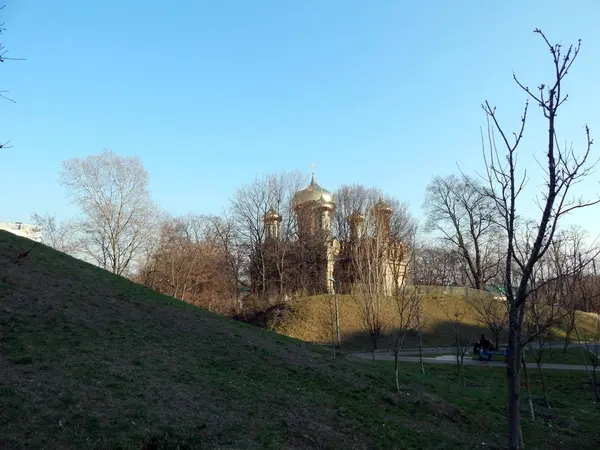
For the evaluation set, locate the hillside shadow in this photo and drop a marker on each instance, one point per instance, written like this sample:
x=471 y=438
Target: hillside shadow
x=439 y=333
x=442 y=334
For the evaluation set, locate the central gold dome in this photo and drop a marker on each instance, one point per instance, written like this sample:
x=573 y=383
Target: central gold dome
x=312 y=193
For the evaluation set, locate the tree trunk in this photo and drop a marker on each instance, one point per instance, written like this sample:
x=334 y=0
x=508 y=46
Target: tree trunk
x=421 y=352
x=497 y=339
x=543 y=384
x=567 y=340
x=596 y=386
x=396 y=370
x=457 y=360
x=462 y=368
x=528 y=387
x=513 y=379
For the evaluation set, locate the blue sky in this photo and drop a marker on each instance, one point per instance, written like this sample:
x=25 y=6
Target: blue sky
x=210 y=94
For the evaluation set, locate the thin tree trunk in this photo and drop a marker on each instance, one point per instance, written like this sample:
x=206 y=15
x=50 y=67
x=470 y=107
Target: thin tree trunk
x=457 y=361
x=567 y=341
x=538 y=363
x=596 y=387
x=462 y=368
x=543 y=384
x=396 y=370
x=528 y=388
x=421 y=353
x=514 y=386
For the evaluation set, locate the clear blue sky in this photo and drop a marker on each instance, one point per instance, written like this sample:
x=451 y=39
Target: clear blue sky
x=212 y=93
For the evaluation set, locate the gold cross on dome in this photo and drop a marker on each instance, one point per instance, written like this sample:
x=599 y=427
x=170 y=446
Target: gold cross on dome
x=312 y=166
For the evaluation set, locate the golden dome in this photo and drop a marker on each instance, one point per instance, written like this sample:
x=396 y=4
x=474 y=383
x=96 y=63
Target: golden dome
x=272 y=216
x=311 y=194
x=323 y=203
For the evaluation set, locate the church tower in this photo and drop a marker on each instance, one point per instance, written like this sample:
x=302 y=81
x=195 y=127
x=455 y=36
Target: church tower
x=272 y=220
x=382 y=213
x=314 y=208
x=356 y=221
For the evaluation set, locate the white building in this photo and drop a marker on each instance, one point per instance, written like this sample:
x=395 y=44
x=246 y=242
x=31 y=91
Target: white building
x=32 y=232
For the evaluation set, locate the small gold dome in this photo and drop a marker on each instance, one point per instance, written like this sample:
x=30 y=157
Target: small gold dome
x=324 y=204
x=311 y=194
x=271 y=216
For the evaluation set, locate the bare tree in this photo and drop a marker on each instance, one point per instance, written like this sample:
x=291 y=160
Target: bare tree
x=249 y=207
x=542 y=315
x=554 y=297
x=589 y=340
x=528 y=388
x=592 y=356
x=351 y=199
x=438 y=265
x=116 y=211
x=563 y=168
x=3 y=58
x=356 y=198
x=376 y=251
x=226 y=233
x=571 y=260
x=491 y=312
x=191 y=264
x=466 y=217
x=456 y=312
x=369 y=292
x=408 y=300
x=57 y=235
x=420 y=324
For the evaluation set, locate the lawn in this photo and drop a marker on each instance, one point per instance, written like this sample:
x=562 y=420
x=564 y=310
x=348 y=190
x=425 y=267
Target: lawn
x=572 y=421
x=90 y=360
x=556 y=355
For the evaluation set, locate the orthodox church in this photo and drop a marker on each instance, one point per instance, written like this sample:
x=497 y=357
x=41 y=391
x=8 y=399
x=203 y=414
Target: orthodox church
x=318 y=262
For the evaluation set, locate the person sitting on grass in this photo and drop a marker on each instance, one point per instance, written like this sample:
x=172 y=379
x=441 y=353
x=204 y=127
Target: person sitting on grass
x=486 y=349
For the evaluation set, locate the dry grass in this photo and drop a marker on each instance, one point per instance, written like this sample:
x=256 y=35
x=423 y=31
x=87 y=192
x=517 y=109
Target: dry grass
x=91 y=360
x=311 y=318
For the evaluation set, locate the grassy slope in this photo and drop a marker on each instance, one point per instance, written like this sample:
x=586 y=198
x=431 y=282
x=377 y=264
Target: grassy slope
x=90 y=360
x=311 y=319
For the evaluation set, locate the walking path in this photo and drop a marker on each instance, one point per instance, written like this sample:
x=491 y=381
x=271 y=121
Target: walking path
x=452 y=350
x=385 y=356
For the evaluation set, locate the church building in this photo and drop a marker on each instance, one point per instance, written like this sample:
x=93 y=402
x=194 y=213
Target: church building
x=318 y=262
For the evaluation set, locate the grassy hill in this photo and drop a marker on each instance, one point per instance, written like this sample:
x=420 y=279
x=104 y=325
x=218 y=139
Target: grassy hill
x=91 y=360
x=311 y=319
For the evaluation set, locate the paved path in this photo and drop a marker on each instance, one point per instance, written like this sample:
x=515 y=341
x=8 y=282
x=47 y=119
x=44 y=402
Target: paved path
x=381 y=356
x=452 y=350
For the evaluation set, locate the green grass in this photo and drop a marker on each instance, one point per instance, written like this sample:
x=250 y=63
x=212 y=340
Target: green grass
x=570 y=423
x=556 y=355
x=91 y=360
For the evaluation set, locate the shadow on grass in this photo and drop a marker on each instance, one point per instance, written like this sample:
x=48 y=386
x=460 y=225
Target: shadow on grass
x=442 y=335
